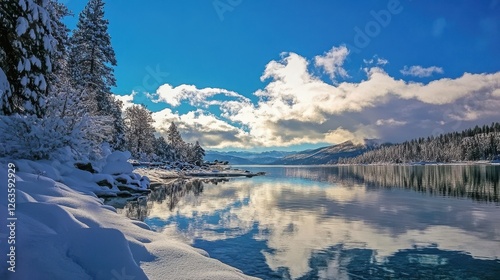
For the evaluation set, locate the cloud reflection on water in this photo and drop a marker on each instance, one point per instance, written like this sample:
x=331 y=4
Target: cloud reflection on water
x=298 y=217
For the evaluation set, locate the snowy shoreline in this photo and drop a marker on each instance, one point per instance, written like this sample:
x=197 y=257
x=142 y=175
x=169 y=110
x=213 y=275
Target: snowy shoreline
x=65 y=231
x=160 y=174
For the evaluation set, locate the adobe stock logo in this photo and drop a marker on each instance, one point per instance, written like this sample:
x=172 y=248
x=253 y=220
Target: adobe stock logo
x=373 y=28
x=223 y=6
x=153 y=79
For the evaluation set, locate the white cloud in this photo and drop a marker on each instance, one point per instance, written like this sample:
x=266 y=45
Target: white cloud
x=332 y=62
x=390 y=122
x=357 y=136
x=419 y=71
x=196 y=97
x=376 y=60
x=297 y=107
x=128 y=100
x=199 y=125
x=382 y=61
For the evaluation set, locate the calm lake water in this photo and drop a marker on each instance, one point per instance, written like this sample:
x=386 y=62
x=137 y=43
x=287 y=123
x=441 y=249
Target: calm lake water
x=352 y=222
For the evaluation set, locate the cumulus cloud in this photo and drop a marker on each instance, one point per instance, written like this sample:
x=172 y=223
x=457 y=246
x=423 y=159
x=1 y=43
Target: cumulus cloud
x=200 y=125
x=127 y=100
x=332 y=62
x=419 y=71
x=297 y=107
x=196 y=97
x=340 y=135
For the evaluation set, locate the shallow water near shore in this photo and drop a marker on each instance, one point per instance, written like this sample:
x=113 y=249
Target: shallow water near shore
x=347 y=222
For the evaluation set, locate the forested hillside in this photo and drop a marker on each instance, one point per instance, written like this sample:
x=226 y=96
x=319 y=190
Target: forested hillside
x=478 y=143
x=326 y=155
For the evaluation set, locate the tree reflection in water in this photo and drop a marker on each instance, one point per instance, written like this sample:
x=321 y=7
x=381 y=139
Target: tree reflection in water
x=169 y=193
x=341 y=222
x=476 y=182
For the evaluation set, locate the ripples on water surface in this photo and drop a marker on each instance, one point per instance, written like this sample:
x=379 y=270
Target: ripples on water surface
x=352 y=222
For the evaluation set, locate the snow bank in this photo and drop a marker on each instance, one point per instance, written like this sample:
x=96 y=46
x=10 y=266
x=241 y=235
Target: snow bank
x=116 y=163
x=63 y=231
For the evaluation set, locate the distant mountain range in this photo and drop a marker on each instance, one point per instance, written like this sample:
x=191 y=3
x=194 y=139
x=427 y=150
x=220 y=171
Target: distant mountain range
x=251 y=158
x=325 y=155
x=473 y=144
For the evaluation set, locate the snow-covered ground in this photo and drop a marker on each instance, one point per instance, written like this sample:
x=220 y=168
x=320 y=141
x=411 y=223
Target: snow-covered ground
x=64 y=231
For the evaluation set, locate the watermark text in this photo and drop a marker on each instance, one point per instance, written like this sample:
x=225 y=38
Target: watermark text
x=11 y=217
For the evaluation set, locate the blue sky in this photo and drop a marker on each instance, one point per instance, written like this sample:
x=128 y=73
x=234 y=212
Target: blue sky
x=366 y=57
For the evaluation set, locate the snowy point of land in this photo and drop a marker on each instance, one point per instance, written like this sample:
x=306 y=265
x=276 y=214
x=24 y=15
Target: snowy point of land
x=65 y=231
x=158 y=171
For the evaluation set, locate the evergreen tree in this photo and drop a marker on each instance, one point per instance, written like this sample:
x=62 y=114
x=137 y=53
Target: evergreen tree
x=174 y=137
x=27 y=46
x=60 y=74
x=163 y=150
x=478 y=143
x=90 y=62
x=92 y=57
x=118 y=140
x=63 y=99
x=177 y=143
x=198 y=153
x=139 y=130
x=188 y=153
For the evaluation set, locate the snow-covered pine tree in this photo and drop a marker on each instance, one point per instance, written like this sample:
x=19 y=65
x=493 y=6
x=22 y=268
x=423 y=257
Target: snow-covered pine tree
x=163 y=150
x=49 y=122
x=91 y=61
x=174 y=137
x=118 y=138
x=140 y=132
x=188 y=153
x=92 y=57
x=27 y=46
x=175 y=140
x=198 y=153
x=478 y=143
x=60 y=74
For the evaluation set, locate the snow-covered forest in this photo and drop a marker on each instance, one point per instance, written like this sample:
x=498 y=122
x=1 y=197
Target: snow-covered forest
x=478 y=143
x=55 y=90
